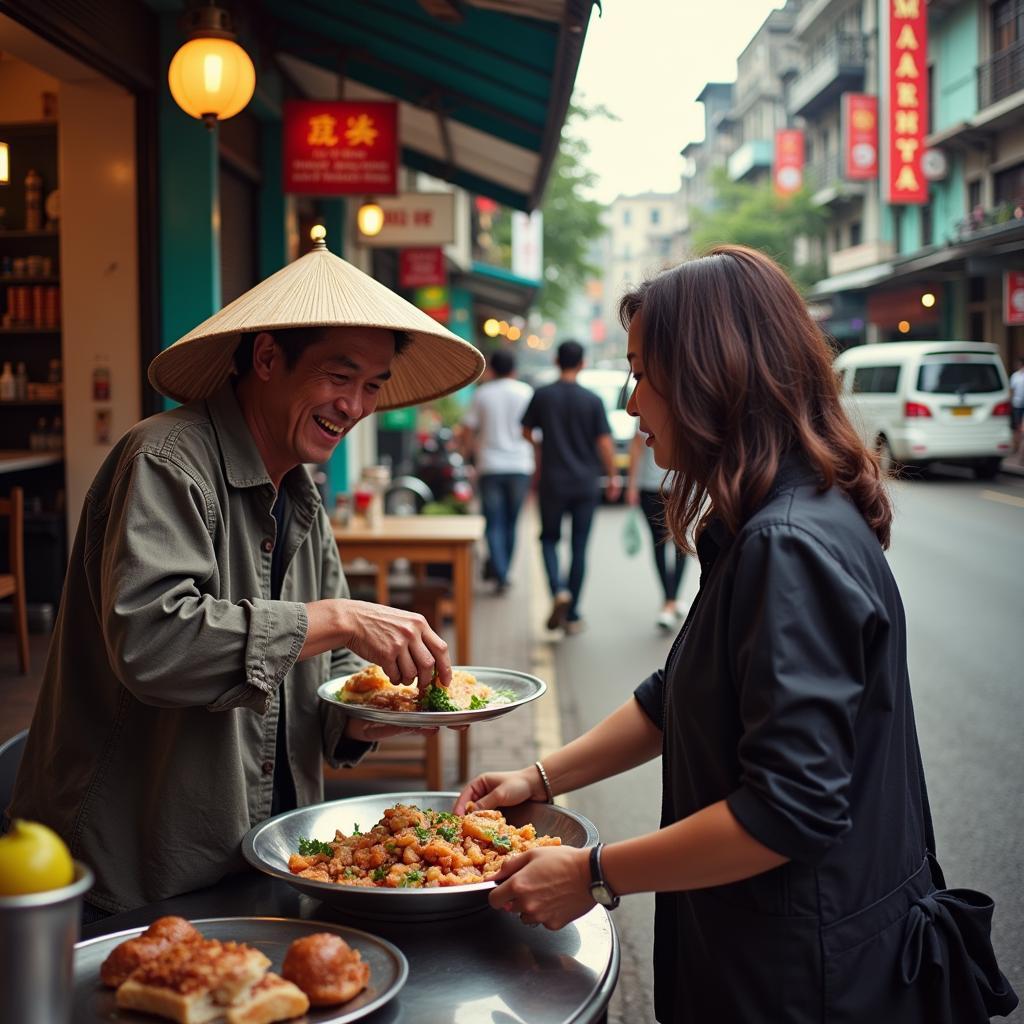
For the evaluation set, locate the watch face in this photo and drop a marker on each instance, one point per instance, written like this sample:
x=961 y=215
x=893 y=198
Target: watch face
x=602 y=895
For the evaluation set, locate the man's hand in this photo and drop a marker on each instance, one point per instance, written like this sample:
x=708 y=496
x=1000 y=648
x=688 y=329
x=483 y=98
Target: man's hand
x=613 y=489
x=548 y=885
x=401 y=642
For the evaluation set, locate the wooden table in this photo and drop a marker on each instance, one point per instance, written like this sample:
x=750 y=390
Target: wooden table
x=445 y=540
x=15 y=460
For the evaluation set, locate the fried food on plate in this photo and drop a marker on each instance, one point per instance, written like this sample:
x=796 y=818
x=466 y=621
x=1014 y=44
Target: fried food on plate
x=413 y=849
x=373 y=688
x=326 y=968
x=271 y=999
x=163 y=933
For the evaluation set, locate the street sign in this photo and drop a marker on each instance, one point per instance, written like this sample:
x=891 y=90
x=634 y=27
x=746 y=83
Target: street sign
x=420 y=267
x=1013 y=298
x=860 y=123
x=908 y=101
x=414 y=220
x=335 y=148
x=788 y=171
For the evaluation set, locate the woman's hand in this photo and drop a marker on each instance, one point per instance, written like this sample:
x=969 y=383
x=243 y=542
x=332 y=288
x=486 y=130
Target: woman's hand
x=501 y=789
x=548 y=885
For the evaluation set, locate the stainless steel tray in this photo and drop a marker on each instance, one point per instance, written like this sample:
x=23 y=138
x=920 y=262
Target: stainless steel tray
x=388 y=967
x=269 y=845
x=525 y=687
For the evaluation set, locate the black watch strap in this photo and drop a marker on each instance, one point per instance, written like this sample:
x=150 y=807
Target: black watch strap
x=599 y=888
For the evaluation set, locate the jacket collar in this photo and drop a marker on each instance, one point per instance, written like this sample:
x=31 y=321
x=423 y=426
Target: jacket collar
x=243 y=464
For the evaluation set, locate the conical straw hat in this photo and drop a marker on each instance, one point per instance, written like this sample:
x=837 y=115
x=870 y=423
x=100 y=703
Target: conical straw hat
x=320 y=290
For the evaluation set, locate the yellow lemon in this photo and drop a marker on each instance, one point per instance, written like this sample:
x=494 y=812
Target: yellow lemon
x=33 y=858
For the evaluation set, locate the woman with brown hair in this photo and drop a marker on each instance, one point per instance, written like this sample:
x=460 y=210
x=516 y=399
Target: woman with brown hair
x=791 y=865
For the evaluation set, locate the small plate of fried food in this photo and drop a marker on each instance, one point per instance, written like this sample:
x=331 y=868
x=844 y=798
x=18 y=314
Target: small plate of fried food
x=476 y=694
x=236 y=970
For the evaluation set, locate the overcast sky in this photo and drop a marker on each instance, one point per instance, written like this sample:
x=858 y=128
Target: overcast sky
x=646 y=61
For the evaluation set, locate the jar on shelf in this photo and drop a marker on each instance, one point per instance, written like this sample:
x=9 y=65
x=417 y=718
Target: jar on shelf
x=33 y=201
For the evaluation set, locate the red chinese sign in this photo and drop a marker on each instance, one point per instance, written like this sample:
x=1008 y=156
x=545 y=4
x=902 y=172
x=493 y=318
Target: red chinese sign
x=908 y=100
x=788 y=172
x=339 y=148
x=860 y=132
x=420 y=267
x=1013 y=297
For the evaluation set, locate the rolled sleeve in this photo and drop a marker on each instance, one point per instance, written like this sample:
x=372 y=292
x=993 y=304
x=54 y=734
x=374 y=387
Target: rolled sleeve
x=650 y=695
x=801 y=626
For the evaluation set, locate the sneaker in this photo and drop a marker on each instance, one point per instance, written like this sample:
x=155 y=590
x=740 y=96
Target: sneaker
x=667 y=621
x=574 y=626
x=501 y=586
x=559 y=609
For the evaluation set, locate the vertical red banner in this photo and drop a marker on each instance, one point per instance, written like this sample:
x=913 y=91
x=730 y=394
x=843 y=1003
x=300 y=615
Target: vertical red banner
x=1013 y=298
x=860 y=136
x=908 y=100
x=788 y=171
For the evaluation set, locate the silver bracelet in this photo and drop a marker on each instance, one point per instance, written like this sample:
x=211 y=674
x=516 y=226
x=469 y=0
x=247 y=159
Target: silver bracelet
x=544 y=779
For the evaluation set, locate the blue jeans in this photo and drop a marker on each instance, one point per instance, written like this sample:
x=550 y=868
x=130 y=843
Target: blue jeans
x=552 y=509
x=501 y=495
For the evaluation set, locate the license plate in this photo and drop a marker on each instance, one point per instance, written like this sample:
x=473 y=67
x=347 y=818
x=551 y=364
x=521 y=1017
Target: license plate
x=962 y=410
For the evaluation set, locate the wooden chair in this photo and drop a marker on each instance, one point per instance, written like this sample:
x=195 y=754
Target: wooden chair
x=12 y=583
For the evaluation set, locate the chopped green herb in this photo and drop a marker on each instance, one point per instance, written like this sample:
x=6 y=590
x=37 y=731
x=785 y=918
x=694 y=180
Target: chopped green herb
x=445 y=816
x=422 y=834
x=447 y=832
x=409 y=879
x=496 y=840
x=311 y=847
x=391 y=847
x=350 y=872
x=355 y=829
x=476 y=703
x=379 y=874
x=509 y=695
x=436 y=699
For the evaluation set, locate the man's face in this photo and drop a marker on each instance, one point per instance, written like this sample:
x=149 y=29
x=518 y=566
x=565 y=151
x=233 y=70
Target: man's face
x=336 y=381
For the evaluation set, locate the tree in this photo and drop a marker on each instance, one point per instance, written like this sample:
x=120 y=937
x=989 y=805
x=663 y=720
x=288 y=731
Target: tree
x=752 y=214
x=571 y=220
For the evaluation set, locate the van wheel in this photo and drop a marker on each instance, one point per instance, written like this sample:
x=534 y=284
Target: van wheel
x=987 y=469
x=886 y=460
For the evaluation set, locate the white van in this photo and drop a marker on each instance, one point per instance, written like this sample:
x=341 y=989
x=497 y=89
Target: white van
x=918 y=402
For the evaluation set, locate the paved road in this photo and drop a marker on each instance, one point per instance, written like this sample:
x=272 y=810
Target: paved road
x=958 y=555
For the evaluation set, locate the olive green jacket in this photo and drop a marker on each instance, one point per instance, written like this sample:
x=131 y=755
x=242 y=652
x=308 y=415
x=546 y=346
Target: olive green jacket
x=153 y=743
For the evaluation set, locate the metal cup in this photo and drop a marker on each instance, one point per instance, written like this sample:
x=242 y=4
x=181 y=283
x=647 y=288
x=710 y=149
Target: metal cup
x=38 y=933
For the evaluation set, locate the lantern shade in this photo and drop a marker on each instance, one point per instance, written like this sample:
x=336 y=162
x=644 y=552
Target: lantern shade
x=5 y=164
x=211 y=77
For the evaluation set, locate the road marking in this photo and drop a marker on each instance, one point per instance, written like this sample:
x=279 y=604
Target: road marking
x=547 y=720
x=1006 y=499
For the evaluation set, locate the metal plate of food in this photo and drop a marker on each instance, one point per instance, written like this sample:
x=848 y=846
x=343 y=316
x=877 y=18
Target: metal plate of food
x=269 y=845
x=272 y=935
x=504 y=690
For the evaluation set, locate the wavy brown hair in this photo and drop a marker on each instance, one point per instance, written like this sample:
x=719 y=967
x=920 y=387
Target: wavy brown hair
x=728 y=343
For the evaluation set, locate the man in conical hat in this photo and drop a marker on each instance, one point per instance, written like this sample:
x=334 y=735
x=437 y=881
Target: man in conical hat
x=204 y=600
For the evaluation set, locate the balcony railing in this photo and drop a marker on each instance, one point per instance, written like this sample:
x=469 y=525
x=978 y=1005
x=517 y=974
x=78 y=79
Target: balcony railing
x=837 y=67
x=1001 y=75
x=1005 y=216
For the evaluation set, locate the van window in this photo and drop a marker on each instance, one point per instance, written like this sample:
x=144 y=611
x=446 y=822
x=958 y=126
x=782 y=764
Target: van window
x=876 y=380
x=955 y=378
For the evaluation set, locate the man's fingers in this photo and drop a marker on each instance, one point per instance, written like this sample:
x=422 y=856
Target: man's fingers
x=406 y=667
x=424 y=663
x=439 y=652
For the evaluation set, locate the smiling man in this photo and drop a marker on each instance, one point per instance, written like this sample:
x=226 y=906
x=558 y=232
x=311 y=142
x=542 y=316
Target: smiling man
x=205 y=602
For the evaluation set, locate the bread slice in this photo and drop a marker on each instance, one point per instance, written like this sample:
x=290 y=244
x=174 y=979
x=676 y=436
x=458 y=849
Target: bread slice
x=271 y=999
x=194 y=982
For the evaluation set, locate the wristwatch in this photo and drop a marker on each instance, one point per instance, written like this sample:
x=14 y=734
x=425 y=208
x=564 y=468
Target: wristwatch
x=599 y=888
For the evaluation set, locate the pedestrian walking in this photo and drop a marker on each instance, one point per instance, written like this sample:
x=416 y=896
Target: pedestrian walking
x=575 y=446
x=646 y=487
x=794 y=866
x=493 y=436
x=1017 y=402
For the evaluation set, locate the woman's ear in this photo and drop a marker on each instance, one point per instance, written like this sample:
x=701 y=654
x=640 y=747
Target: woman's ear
x=265 y=355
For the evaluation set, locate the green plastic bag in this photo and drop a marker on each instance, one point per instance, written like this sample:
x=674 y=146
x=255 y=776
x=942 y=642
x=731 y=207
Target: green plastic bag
x=632 y=536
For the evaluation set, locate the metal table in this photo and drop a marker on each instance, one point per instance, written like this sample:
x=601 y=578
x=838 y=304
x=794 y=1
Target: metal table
x=485 y=967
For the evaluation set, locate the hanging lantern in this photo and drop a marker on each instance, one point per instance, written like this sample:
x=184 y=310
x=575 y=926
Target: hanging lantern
x=211 y=76
x=5 y=164
x=370 y=218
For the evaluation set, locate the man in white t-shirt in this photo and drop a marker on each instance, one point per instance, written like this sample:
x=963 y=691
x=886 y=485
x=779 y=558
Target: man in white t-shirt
x=1017 y=401
x=504 y=459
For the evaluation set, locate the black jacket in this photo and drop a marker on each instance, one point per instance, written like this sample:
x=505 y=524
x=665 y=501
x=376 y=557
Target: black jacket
x=787 y=695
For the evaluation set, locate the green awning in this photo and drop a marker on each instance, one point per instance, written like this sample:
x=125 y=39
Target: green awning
x=498 y=290
x=484 y=85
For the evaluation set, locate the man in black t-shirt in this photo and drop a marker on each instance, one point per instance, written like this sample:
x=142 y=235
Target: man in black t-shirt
x=574 y=449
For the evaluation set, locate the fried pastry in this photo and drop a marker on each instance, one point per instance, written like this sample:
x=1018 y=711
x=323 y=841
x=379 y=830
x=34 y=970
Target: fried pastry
x=194 y=982
x=272 y=999
x=163 y=933
x=326 y=968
